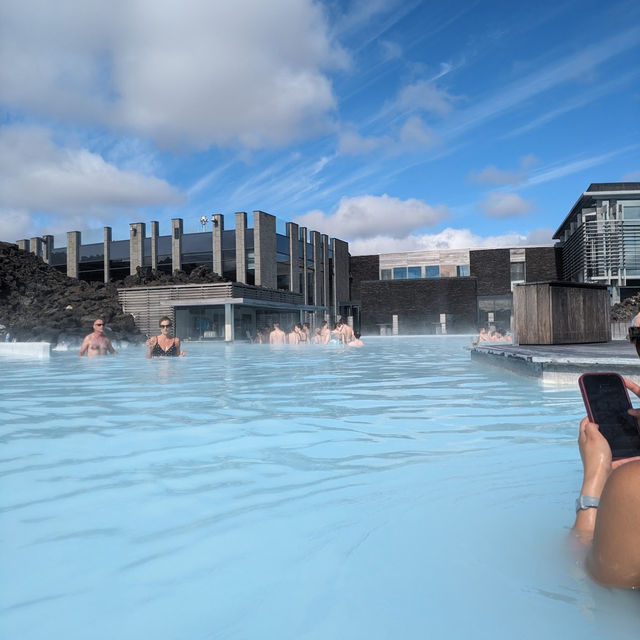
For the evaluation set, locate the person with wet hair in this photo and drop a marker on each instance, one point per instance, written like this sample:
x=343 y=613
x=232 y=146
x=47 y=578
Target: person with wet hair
x=164 y=345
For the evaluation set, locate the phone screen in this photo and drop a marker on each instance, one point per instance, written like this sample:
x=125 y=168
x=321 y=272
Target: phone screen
x=607 y=401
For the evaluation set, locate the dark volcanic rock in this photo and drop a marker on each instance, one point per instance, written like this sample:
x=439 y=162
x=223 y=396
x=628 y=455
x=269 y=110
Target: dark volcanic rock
x=147 y=277
x=626 y=309
x=37 y=302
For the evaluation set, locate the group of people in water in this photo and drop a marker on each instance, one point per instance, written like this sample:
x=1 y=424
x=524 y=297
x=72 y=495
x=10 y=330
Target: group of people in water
x=493 y=336
x=300 y=333
x=166 y=345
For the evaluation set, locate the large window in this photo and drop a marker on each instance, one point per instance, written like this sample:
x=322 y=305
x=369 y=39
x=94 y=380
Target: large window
x=517 y=272
x=462 y=270
x=432 y=271
x=399 y=273
x=414 y=272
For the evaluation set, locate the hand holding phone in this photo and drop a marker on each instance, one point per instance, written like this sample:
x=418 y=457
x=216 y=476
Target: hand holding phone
x=607 y=402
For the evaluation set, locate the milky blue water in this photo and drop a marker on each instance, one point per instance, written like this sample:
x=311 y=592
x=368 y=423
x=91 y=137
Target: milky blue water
x=393 y=491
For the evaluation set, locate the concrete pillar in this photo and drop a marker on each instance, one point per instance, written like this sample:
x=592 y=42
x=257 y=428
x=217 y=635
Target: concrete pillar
x=340 y=273
x=217 y=229
x=176 y=244
x=241 y=247
x=35 y=246
x=294 y=256
x=47 y=249
x=155 y=232
x=74 y=239
x=316 y=247
x=325 y=274
x=305 y=288
x=264 y=249
x=394 y=324
x=137 y=232
x=108 y=236
x=229 y=322
x=23 y=244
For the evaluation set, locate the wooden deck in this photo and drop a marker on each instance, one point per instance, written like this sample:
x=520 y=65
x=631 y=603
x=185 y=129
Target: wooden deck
x=561 y=363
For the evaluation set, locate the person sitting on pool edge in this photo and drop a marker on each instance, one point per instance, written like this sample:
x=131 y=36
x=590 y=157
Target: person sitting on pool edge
x=608 y=510
x=164 y=346
x=96 y=343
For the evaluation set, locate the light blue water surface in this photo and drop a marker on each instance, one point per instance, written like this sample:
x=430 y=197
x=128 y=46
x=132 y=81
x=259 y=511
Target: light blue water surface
x=246 y=491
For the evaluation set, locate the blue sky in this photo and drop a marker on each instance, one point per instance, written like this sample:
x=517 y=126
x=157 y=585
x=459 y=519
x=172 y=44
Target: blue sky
x=393 y=125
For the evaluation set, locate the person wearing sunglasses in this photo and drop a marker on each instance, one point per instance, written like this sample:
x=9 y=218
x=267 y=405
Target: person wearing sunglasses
x=96 y=343
x=164 y=345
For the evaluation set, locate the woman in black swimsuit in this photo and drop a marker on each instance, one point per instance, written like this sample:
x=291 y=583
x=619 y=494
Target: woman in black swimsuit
x=163 y=346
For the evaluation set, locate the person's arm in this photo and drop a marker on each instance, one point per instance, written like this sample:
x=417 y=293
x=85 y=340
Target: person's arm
x=84 y=346
x=151 y=342
x=596 y=461
x=110 y=348
x=180 y=352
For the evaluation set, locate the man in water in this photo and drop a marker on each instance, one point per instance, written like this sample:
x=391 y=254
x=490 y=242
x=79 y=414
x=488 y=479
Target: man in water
x=96 y=343
x=325 y=333
x=277 y=336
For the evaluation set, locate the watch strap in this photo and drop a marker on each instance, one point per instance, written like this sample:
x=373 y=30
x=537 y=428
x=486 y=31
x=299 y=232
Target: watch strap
x=586 y=502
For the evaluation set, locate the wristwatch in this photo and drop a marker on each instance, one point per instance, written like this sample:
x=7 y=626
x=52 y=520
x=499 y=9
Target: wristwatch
x=586 y=502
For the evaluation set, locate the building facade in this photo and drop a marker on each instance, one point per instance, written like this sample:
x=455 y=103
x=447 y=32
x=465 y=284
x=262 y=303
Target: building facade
x=297 y=276
x=445 y=291
x=600 y=238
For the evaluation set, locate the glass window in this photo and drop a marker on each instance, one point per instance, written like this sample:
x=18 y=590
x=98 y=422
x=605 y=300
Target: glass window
x=517 y=272
x=462 y=270
x=631 y=213
x=414 y=272
x=385 y=274
x=432 y=271
x=399 y=273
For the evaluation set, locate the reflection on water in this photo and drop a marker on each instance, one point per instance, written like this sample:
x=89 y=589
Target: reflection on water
x=255 y=492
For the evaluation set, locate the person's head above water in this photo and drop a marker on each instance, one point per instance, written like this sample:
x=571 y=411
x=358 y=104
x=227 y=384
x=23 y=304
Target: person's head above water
x=165 y=323
x=98 y=325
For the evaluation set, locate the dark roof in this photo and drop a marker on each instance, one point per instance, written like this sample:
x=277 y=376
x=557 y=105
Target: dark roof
x=587 y=197
x=614 y=186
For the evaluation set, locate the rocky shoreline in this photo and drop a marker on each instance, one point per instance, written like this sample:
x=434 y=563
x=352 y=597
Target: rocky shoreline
x=39 y=303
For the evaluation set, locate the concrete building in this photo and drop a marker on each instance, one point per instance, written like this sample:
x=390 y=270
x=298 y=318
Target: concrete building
x=600 y=238
x=298 y=276
x=447 y=291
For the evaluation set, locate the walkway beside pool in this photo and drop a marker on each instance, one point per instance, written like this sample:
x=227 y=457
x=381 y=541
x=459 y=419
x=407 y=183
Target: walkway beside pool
x=561 y=363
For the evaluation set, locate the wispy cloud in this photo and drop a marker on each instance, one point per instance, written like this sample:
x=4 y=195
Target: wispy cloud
x=502 y=205
x=559 y=72
x=575 y=166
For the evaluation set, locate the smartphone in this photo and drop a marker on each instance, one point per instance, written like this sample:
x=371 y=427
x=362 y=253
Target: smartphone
x=607 y=401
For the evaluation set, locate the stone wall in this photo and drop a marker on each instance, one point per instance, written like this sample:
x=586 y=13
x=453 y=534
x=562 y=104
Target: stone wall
x=363 y=268
x=419 y=304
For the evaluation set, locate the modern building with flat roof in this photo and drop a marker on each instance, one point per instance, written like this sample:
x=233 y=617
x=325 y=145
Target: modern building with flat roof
x=445 y=291
x=600 y=238
x=296 y=276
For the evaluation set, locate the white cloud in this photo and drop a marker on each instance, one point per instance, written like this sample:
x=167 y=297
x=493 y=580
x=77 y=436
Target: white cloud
x=424 y=95
x=390 y=50
x=500 y=204
x=196 y=73
x=369 y=216
x=416 y=134
x=15 y=225
x=447 y=239
x=36 y=175
x=352 y=143
x=493 y=175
